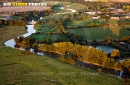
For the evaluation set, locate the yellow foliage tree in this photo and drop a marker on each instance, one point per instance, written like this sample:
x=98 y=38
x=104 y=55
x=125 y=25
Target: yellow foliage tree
x=115 y=53
x=108 y=39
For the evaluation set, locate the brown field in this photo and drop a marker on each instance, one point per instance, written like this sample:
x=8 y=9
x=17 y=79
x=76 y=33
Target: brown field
x=10 y=32
x=7 y=11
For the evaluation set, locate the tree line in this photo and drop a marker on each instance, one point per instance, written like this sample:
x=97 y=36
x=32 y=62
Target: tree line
x=73 y=52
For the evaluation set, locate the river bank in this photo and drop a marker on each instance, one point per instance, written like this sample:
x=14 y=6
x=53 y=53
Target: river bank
x=92 y=66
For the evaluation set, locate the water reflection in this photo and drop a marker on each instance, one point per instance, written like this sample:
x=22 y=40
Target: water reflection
x=100 y=33
x=114 y=29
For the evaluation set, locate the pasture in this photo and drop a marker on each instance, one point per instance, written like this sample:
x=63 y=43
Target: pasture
x=34 y=69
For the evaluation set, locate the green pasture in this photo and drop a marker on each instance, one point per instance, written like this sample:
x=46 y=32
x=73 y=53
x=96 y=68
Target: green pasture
x=41 y=70
x=76 y=6
x=59 y=10
x=16 y=17
x=53 y=37
x=57 y=16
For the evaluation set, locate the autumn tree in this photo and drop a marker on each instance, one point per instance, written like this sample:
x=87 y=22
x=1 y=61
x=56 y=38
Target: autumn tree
x=108 y=39
x=16 y=40
x=126 y=65
x=126 y=38
x=115 y=53
x=11 y=23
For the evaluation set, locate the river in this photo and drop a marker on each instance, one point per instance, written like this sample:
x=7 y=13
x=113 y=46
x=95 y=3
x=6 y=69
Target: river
x=30 y=30
x=107 y=49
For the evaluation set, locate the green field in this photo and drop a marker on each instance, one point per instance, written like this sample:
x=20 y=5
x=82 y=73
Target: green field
x=41 y=37
x=59 y=16
x=75 y=6
x=45 y=29
x=1 y=16
x=57 y=9
x=41 y=70
x=53 y=2
x=76 y=23
x=16 y=17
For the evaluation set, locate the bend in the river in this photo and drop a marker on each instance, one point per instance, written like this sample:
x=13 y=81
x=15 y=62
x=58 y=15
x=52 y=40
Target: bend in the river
x=30 y=30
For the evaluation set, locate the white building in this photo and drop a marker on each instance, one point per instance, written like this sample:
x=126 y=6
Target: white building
x=114 y=18
x=91 y=13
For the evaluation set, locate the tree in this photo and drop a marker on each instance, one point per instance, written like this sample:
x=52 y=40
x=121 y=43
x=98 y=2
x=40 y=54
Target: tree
x=16 y=40
x=126 y=65
x=0 y=21
x=108 y=39
x=115 y=53
x=11 y=23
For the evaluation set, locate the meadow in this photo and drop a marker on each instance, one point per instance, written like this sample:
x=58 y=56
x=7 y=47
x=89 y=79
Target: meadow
x=75 y=6
x=9 y=32
x=41 y=70
x=42 y=37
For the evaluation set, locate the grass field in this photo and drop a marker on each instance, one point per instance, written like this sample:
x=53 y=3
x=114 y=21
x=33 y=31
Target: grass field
x=55 y=2
x=75 y=6
x=59 y=16
x=1 y=16
x=41 y=70
x=57 y=9
x=42 y=37
x=9 y=32
x=16 y=17
x=76 y=23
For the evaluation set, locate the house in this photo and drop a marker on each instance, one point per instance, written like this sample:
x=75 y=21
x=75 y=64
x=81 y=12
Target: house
x=96 y=17
x=91 y=13
x=127 y=17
